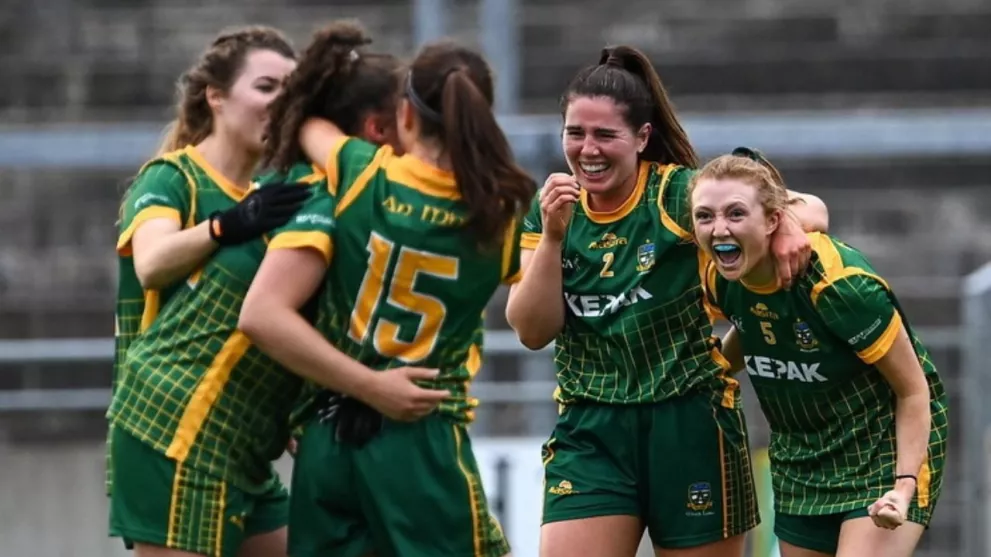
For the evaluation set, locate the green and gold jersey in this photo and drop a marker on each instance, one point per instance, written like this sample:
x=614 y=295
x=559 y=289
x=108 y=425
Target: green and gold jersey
x=406 y=285
x=162 y=189
x=810 y=353
x=192 y=385
x=636 y=329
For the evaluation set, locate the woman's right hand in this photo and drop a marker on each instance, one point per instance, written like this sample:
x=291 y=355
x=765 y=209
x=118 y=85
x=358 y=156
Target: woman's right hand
x=395 y=394
x=557 y=203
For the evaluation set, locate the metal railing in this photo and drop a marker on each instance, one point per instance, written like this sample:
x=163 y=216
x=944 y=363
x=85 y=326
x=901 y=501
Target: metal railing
x=47 y=351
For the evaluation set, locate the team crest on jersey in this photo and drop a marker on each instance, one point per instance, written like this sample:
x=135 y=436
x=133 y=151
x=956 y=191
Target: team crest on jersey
x=609 y=240
x=645 y=257
x=700 y=496
x=804 y=338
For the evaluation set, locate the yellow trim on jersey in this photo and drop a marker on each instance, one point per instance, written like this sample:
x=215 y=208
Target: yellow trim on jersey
x=708 y=274
x=707 y=270
x=474 y=361
x=173 y=157
x=606 y=217
x=529 y=240
x=143 y=216
x=514 y=278
x=315 y=176
x=666 y=219
x=832 y=264
x=550 y=451
x=732 y=385
x=722 y=479
x=194 y=277
x=883 y=344
x=417 y=175
x=842 y=274
x=762 y=289
x=508 y=249
x=233 y=191
x=330 y=166
x=206 y=395
x=473 y=488
x=153 y=303
x=924 y=484
x=218 y=548
x=297 y=240
x=363 y=179
x=175 y=509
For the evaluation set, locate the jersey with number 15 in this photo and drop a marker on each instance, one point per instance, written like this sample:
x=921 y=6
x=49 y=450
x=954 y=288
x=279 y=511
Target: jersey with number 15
x=406 y=283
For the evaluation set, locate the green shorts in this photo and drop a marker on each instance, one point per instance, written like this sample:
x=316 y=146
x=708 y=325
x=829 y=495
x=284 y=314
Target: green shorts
x=818 y=533
x=822 y=532
x=683 y=466
x=414 y=490
x=160 y=502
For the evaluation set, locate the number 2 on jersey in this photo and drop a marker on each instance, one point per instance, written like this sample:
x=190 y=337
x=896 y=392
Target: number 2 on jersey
x=429 y=310
x=607 y=261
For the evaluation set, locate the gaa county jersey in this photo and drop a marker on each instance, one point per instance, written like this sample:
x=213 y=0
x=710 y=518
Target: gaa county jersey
x=192 y=385
x=636 y=329
x=162 y=189
x=406 y=284
x=810 y=353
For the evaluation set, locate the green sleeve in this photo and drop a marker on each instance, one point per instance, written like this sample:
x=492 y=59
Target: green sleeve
x=531 y=227
x=676 y=202
x=348 y=161
x=160 y=190
x=311 y=227
x=857 y=308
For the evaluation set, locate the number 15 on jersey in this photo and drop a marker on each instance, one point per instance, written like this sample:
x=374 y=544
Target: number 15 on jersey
x=370 y=313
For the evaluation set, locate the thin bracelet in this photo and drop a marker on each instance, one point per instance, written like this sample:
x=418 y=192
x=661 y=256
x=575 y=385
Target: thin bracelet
x=906 y=476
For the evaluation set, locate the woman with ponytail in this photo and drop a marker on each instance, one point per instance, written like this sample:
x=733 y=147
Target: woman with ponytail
x=651 y=434
x=407 y=250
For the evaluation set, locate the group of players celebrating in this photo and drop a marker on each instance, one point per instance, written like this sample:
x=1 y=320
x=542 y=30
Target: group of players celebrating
x=306 y=262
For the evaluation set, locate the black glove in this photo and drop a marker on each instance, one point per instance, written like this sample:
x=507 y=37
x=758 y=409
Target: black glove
x=263 y=210
x=356 y=422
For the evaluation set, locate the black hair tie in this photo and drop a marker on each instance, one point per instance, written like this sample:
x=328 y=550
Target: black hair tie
x=421 y=107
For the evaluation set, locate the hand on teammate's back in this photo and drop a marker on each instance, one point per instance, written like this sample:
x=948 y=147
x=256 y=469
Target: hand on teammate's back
x=791 y=248
x=557 y=203
x=261 y=211
x=396 y=395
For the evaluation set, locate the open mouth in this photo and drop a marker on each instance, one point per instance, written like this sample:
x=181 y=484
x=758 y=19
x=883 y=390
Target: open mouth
x=727 y=254
x=593 y=170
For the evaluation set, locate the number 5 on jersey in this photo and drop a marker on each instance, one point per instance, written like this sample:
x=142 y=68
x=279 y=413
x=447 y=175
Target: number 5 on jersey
x=428 y=310
x=765 y=327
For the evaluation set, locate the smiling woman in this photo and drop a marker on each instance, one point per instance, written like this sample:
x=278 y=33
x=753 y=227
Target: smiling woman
x=651 y=432
x=856 y=407
x=720 y=210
